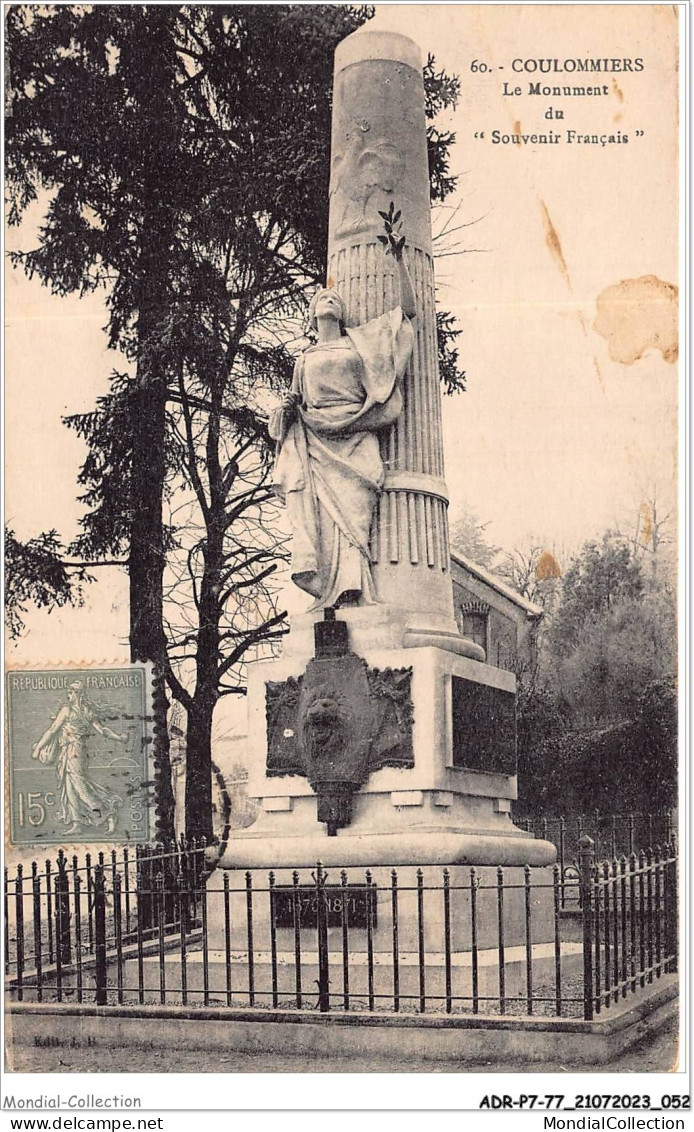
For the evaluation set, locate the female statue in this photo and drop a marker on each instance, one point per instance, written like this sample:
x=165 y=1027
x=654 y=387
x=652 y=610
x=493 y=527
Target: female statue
x=329 y=471
x=83 y=802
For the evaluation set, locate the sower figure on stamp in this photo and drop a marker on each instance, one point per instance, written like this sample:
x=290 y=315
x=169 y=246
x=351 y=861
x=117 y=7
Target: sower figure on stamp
x=329 y=470
x=83 y=802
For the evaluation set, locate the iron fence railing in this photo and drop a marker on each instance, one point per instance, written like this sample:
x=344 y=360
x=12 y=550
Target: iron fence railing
x=55 y=919
x=614 y=835
x=451 y=940
x=629 y=922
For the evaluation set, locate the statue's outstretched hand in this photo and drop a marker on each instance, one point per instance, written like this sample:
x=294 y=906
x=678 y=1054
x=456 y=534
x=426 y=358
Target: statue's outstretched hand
x=289 y=404
x=393 y=242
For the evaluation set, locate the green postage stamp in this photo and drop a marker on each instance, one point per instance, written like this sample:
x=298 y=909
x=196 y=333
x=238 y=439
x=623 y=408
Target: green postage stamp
x=78 y=741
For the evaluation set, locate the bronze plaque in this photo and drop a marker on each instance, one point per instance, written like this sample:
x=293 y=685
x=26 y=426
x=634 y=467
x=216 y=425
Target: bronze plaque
x=355 y=895
x=484 y=727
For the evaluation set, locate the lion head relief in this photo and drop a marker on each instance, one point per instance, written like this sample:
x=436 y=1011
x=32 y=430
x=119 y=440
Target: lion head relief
x=325 y=722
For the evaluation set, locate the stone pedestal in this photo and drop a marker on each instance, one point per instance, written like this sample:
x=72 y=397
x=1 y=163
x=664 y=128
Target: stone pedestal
x=485 y=878
x=434 y=812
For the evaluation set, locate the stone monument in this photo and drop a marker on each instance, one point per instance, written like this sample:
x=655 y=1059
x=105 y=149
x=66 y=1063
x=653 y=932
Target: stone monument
x=380 y=737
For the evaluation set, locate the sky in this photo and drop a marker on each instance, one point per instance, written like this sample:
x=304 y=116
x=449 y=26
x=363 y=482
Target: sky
x=554 y=438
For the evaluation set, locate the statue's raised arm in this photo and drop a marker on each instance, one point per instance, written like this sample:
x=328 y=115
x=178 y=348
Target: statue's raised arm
x=329 y=470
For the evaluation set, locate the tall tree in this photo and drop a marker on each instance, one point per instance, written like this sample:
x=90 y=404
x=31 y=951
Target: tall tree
x=653 y=541
x=469 y=536
x=200 y=202
x=600 y=576
x=602 y=719
x=535 y=573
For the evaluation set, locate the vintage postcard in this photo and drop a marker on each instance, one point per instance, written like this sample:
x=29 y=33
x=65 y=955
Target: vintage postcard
x=342 y=547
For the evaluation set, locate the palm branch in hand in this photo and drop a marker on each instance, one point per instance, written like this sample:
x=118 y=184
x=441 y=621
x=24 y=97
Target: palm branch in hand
x=393 y=241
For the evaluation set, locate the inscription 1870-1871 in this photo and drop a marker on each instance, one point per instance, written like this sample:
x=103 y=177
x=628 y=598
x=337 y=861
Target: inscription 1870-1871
x=353 y=898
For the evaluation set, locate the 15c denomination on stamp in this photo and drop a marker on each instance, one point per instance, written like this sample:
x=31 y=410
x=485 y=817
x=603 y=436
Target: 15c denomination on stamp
x=78 y=741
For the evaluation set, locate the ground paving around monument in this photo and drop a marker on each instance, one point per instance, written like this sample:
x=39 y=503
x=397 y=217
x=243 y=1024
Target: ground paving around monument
x=543 y=1000
x=657 y=1054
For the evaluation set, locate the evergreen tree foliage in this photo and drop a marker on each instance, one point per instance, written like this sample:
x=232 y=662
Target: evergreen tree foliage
x=598 y=729
x=601 y=575
x=183 y=152
x=468 y=535
x=36 y=573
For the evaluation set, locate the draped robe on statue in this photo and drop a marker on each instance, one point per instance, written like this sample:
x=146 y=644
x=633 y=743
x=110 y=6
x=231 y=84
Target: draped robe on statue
x=329 y=470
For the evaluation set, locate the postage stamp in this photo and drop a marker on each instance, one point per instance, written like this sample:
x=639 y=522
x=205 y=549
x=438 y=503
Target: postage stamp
x=78 y=741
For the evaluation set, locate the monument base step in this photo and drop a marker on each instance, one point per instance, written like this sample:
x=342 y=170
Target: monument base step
x=367 y=850
x=409 y=984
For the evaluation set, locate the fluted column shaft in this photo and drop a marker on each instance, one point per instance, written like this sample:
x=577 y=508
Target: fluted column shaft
x=379 y=154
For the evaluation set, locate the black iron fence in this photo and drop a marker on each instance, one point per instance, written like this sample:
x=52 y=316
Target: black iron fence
x=629 y=923
x=458 y=939
x=64 y=917
x=614 y=835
